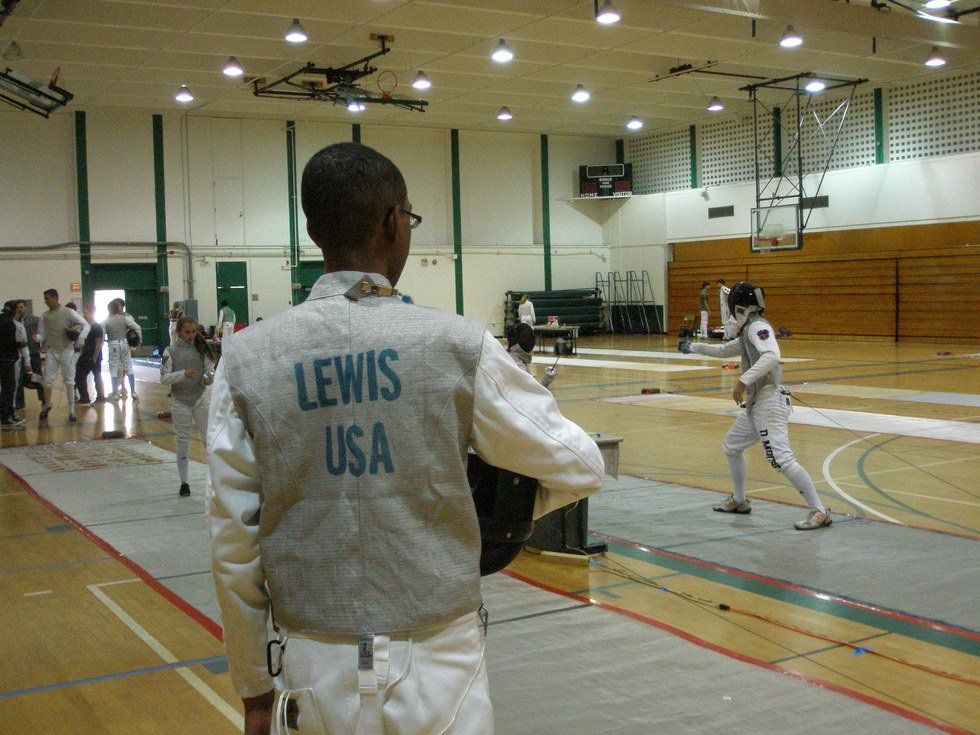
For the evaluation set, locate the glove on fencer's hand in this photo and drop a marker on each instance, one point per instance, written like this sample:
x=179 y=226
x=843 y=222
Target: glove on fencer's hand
x=684 y=346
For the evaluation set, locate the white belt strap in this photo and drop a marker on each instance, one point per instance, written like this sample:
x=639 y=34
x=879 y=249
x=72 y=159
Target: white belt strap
x=372 y=675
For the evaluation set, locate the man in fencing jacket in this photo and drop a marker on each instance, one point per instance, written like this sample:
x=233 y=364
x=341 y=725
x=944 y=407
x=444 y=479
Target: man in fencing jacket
x=337 y=486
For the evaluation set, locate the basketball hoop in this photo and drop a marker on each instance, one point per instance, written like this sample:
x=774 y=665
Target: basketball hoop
x=387 y=81
x=765 y=244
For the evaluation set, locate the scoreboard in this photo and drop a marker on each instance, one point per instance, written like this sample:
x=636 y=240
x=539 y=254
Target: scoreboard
x=608 y=180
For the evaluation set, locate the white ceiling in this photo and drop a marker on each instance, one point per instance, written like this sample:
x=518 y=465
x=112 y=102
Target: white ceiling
x=135 y=53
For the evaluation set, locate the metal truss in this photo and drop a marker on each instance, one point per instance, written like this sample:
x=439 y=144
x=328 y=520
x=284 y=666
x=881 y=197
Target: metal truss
x=774 y=186
x=338 y=85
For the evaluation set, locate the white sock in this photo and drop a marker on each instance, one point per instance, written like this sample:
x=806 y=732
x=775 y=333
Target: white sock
x=115 y=382
x=132 y=382
x=803 y=484
x=70 y=392
x=736 y=463
x=182 y=461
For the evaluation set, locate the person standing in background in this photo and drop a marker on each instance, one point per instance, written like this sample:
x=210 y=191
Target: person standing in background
x=525 y=311
x=90 y=360
x=13 y=347
x=726 y=314
x=226 y=320
x=30 y=369
x=175 y=314
x=61 y=328
x=703 y=308
x=116 y=326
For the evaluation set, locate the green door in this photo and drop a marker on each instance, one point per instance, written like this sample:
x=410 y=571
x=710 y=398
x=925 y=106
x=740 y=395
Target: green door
x=307 y=273
x=139 y=281
x=232 y=281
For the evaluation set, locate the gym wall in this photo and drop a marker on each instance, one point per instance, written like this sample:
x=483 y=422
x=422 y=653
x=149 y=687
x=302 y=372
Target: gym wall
x=226 y=195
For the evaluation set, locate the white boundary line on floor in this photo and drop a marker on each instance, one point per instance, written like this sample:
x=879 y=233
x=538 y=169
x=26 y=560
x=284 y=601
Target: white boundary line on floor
x=216 y=700
x=658 y=355
x=837 y=488
x=646 y=367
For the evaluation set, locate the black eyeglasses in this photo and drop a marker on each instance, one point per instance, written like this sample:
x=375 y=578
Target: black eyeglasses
x=416 y=219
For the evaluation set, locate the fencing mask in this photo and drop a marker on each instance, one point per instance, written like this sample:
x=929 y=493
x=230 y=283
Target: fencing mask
x=505 y=509
x=745 y=299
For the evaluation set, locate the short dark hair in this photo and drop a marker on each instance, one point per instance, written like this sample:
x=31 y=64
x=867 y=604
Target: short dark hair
x=71 y=306
x=51 y=292
x=347 y=190
x=705 y=283
x=224 y=303
x=721 y=280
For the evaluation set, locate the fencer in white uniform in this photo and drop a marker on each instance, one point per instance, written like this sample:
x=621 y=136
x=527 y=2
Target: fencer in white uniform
x=726 y=315
x=187 y=367
x=767 y=405
x=703 y=308
x=117 y=326
x=338 y=493
x=61 y=328
x=525 y=311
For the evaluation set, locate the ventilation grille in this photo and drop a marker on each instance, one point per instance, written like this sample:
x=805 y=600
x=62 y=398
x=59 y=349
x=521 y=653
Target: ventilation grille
x=661 y=162
x=938 y=117
x=728 y=151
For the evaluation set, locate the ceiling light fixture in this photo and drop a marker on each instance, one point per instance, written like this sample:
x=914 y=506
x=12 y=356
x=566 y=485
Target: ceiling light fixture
x=184 y=94
x=581 y=94
x=502 y=53
x=937 y=4
x=13 y=52
x=504 y=114
x=634 y=123
x=296 y=32
x=421 y=81
x=232 y=68
x=355 y=106
x=715 y=105
x=607 y=14
x=790 y=39
x=935 y=58
x=936 y=18
x=814 y=86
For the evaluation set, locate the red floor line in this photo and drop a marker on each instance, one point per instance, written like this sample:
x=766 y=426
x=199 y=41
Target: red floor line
x=776 y=582
x=203 y=620
x=902 y=524
x=894 y=709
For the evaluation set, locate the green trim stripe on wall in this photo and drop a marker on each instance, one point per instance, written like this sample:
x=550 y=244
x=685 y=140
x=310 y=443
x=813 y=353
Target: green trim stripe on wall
x=160 y=203
x=291 y=203
x=620 y=151
x=355 y=133
x=457 y=218
x=81 y=189
x=879 y=126
x=777 y=141
x=545 y=212
x=694 y=156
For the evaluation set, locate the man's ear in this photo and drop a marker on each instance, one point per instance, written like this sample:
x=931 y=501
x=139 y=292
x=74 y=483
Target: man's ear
x=390 y=223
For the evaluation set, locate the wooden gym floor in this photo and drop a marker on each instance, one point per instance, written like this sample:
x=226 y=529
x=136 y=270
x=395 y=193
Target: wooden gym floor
x=879 y=609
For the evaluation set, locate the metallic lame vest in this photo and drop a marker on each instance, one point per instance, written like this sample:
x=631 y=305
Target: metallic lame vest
x=186 y=357
x=750 y=355
x=116 y=327
x=361 y=411
x=56 y=321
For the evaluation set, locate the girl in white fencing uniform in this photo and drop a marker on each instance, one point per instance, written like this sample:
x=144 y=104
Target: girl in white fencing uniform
x=116 y=326
x=526 y=311
x=188 y=368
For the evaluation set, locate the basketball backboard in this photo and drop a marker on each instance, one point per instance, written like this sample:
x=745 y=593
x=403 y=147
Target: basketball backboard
x=775 y=228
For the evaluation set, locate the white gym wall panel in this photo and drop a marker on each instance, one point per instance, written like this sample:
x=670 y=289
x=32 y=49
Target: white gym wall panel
x=637 y=234
x=200 y=181
x=497 y=175
x=120 y=175
x=38 y=205
x=432 y=284
x=265 y=183
x=422 y=155
x=574 y=225
x=488 y=273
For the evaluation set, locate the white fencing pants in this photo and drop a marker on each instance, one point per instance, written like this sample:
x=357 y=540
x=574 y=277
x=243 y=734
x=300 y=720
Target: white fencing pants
x=173 y=332
x=60 y=362
x=227 y=329
x=704 y=323
x=767 y=421
x=120 y=360
x=184 y=418
x=430 y=682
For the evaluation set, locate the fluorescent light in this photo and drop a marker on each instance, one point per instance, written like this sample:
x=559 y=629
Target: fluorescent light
x=356 y=106
x=502 y=54
x=421 y=81
x=232 y=68
x=296 y=33
x=814 y=86
x=581 y=94
x=504 y=114
x=937 y=4
x=184 y=94
x=935 y=58
x=715 y=105
x=935 y=18
x=634 y=123
x=790 y=39
x=607 y=14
